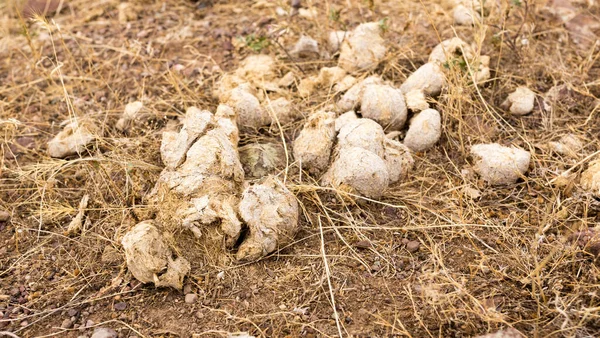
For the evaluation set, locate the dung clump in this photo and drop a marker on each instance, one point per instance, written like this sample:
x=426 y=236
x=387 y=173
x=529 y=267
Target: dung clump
x=270 y=211
x=150 y=259
x=520 y=102
x=429 y=79
x=73 y=139
x=363 y=48
x=250 y=113
x=385 y=105
x=365 y=161
x=312 y=147
x=499 y=165
x=424 y=131
x=590 y=178
x=262 y=159
x=132 y=113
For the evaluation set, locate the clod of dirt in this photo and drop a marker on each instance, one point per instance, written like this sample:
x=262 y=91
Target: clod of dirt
x=111 y=256
x=262 y=159
x=358 y=171
x=351 y=99
x=520 y=102
x=335 y=39
x=271 y=212
x=465 y=16
x=344 y=119
x=150 y=259
x=416 y=100
x=450 y=49
x=500 y=165
x=73 y=139
x=77 y=222
x=132 y=113
x=102 y=332
x=312 y=148
x=568 y=145
x=429 y=79
x=385 y=105
x=413 y=246
x=424 y=131
x=305 y=47
x=508 y=333
x=346 y=83
x=363 y=48
x=248 y=109
x=174 y=145
x=590 y=178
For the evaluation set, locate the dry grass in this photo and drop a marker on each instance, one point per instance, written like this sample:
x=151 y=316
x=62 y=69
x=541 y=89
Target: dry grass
x=497 y=261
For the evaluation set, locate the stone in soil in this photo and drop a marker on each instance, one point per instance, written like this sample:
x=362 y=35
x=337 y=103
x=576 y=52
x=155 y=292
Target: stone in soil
x=191 y=298
x=102 y=332
x=413 y=246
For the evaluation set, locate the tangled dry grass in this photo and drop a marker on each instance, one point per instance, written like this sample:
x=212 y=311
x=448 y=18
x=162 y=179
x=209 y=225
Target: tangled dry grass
x=487 y=257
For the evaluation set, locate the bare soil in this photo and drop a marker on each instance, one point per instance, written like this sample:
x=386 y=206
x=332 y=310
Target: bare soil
x=481 y=264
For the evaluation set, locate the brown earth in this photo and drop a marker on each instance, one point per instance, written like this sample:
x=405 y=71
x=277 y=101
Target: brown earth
x=495 y=261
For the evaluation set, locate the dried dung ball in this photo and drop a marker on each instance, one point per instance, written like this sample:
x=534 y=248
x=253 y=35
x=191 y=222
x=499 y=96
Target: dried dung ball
x=262 y=159
x=248 y=109
x=335 y=39
x=429 y=79
x=283 y=110
x=351 y=99
x=257 y=68
x=174 y=145
x=424 y=131
x=150 y=259
x=362 y=133
x=271 y=212
x=73 y=139
x=520 y=102
x=344 y=119
x=590 y=179
x=499 y=165
x=133 y=112
x=398 y=160
x=358 y=170
x=362 y=49
x=416 y=100
x=305 y=47
x=568 y=145
x=312 y=148
x=385 y=105
x=449 y=49
x=465 y=16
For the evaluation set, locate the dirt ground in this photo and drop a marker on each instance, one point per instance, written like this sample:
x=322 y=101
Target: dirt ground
x=482 y=263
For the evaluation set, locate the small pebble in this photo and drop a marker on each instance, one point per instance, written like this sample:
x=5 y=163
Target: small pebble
x=188 y=288
x=102 y=332
x=4 y=216
x=66 y=324
x=73 y=312
x=191 y=298
x=413 y=246
x=199 y=315
x=120 y=306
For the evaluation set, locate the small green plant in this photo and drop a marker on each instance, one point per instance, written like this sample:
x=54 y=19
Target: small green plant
x=516 y=3
x=383 y=24
x=334 y=15
x=256 y=43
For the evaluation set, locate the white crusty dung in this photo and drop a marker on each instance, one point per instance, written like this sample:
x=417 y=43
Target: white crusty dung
x=363 y=48
x=150 y=259
x=500 y=165
x=424 y=131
